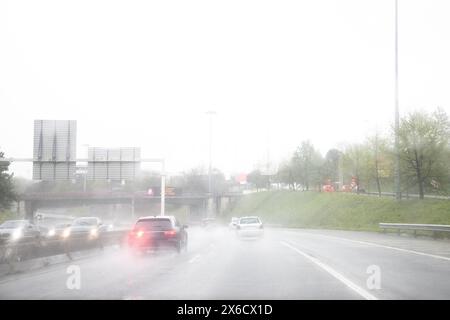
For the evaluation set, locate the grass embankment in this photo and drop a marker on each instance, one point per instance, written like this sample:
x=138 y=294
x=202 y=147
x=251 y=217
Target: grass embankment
x=339 y=211
x=7 y=215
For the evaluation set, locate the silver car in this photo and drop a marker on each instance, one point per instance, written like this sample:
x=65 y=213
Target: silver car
x=85 y=227
x=14 y=230
x=250 y=227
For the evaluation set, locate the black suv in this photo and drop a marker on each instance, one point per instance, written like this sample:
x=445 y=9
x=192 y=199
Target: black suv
x=156 y=232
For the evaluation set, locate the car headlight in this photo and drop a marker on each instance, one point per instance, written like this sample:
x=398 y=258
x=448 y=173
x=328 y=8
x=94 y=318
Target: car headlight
x=17 y=234
x=66 y=233
x=51 y=233
x=94 y=232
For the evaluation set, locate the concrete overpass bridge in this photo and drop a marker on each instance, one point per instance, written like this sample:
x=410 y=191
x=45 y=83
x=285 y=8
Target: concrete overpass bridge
x=196 y=202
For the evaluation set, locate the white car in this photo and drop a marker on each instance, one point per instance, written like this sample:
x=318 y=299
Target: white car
x=234 y=222
x=250 y=227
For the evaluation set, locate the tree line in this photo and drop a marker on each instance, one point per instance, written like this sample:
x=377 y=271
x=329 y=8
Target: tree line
x=424 y=154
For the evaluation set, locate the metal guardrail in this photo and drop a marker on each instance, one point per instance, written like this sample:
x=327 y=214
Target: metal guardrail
x=415 y=227
x=13 y=252
x=407 y=196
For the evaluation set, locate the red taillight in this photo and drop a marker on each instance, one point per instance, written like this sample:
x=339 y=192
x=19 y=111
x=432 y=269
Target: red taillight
x=170 y=233
x=139 y=234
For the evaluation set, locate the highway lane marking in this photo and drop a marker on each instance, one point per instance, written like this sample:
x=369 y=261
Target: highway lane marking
x=366 y=295
x=192 y=260
x=382 y=246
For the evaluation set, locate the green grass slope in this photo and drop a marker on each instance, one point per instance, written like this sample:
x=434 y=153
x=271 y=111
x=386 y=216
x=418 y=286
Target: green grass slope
x=338 y=211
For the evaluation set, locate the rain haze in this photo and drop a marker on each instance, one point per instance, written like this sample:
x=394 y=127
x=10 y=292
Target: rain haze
x=203 y=150
x=144 y=73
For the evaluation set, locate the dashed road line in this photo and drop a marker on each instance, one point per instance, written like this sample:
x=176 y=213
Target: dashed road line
x=196 y=257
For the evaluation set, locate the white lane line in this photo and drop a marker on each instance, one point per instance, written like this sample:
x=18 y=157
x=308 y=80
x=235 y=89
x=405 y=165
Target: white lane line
x=366 y=295
x=194 y=258
x=381 y=246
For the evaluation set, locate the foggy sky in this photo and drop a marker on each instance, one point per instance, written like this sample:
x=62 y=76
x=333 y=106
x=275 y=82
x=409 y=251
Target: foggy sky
x=143 y=73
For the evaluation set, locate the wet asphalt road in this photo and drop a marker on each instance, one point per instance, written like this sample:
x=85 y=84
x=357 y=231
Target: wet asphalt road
x=285 y=264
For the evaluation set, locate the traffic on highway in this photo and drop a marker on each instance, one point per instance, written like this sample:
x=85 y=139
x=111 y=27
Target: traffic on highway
x=155 y=260
x=221 y=158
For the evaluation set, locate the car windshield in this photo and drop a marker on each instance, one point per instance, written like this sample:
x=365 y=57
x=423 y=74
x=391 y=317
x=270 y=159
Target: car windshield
x=248 y=220
x=85 y=222
x=13 y=224
x=154 y=224
x=279 y=149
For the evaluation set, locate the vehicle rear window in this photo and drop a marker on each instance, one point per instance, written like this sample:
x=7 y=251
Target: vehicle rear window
x=154 y=224
x=85 y=222
x=249 y=220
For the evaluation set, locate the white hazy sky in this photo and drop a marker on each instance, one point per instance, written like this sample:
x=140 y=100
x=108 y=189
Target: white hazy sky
x=143 y=73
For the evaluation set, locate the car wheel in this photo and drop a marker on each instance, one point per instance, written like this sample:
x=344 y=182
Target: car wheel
x=179 y=246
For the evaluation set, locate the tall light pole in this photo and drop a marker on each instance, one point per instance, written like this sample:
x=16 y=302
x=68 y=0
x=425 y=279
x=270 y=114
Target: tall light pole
x=398 y=193
x=163 y=188
x=86 y=169
x=210 y=114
